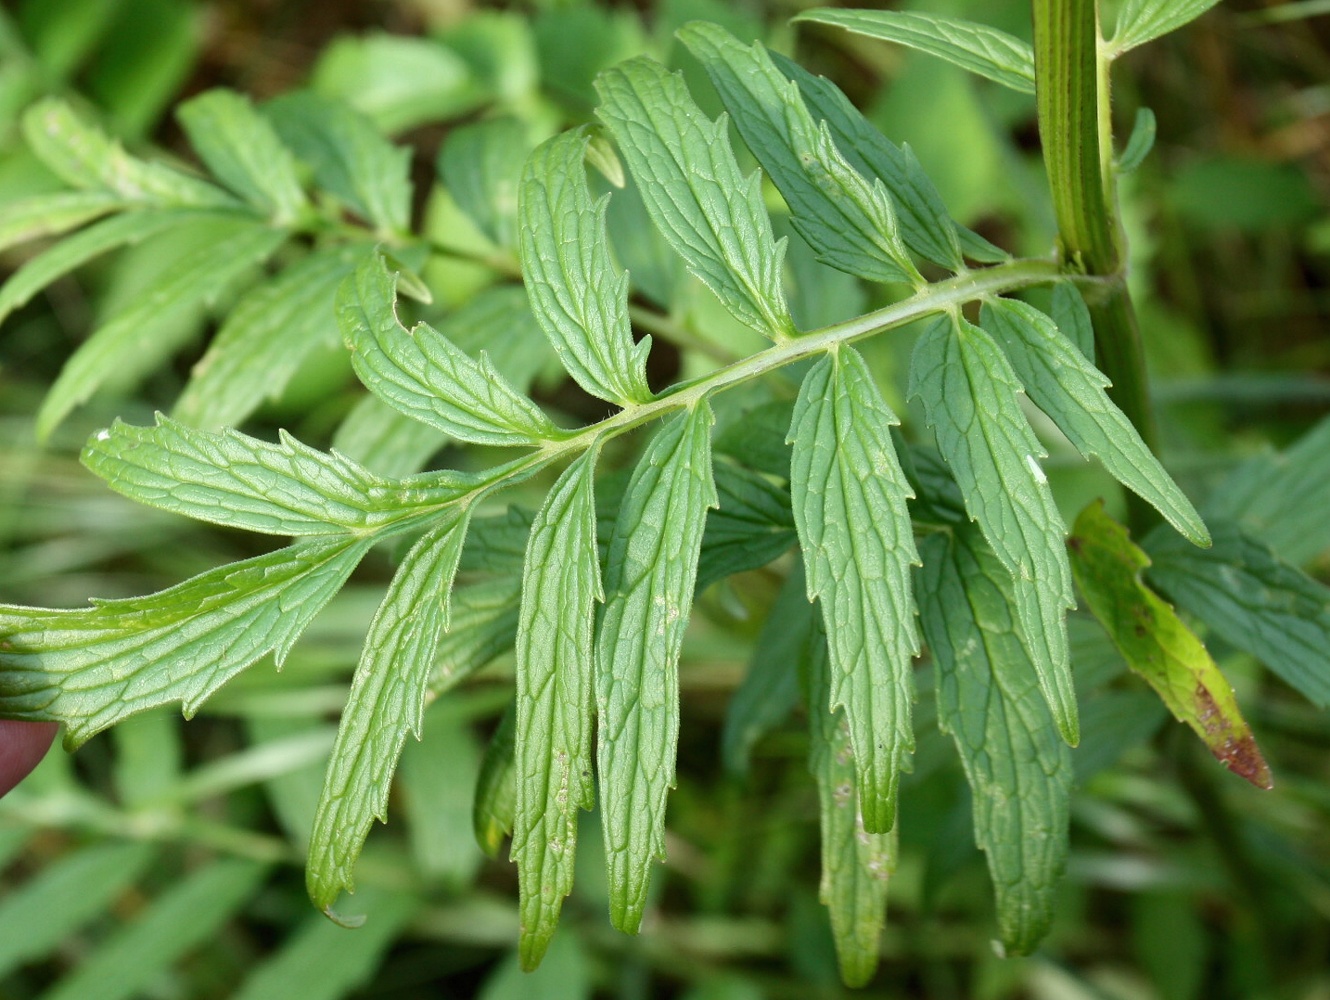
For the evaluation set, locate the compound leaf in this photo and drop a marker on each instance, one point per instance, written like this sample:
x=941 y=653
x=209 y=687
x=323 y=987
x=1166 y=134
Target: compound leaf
x=849 y=506
x=265 y=337
x=82 y=156
x=969 y=394
x=91 y=667
x=709 y=212
x=425 y=375
x=1256 y=601
x=130 y=342
x=230 y=478
x=241 y=149
x=1157 y=644
x=975 y=47
x=988 y=699
x=349 y=157
x=555 y=681
x=856 y=864
x=1141 y=21
x=387 y=701
x=577 y=295
x=1063 y=383
x=649 y=580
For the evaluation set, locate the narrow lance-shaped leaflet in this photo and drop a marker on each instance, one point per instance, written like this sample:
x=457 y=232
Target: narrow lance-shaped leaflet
x=649 y=583
x=849 y=507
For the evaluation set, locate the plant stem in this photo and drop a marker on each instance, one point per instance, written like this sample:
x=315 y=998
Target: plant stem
x=1072 y=92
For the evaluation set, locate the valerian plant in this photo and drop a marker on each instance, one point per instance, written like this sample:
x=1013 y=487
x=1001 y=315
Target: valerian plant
x=940 y=541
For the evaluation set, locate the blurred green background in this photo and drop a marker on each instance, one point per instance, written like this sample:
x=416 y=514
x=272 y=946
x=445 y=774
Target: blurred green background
x=164 y=859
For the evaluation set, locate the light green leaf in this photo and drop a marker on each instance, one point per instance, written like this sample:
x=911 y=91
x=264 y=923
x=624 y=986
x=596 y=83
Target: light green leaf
x=1065 y=385
x=481 y=166
x=849 y=505
x=386 y=702
x=424 y=375
x=848 y=220
x=386 y=441
x=925 y=226
x=82 y=156
x=975 y=47
x=1072 y=317
x=856 y=864
x=649 y=580
x=577 y=294
x=969 y=393
x=130 y=342
x=139 y=952
x=769 y=690
x=988 y=699
x=494 y=806
x=1139 y=143
x=230 y=478
x=318 y=960
x=752 y=526
x=1157 y=644
x=265 y=337
x=97 y=239
x=91 y=667
x=349 y=157
x=555 y=673
x=241 y=149
x=710 y=213
x=53 y=214
x=1257 y=602
x=1141 y=21
x=38 y=915
x=1283 y=498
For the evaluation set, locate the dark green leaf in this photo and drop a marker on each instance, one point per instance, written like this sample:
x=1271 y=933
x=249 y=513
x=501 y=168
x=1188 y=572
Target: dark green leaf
x=753 y=525
x=494 y=806
x=849 y=505
x=1140 y=21
x=649 y=581
x=481 y=165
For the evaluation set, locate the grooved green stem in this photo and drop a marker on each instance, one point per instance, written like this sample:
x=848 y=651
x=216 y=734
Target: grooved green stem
x=1072 y=93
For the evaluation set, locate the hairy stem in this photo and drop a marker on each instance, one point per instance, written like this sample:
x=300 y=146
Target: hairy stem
x=1072 y=92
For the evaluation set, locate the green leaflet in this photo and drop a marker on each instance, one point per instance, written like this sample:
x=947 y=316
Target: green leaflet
x=386 y=702
x=988 y=699
x=769 y=690
x=53 y=214
x=241 y=149
x=424 y=375
x=481 y=166
x=1141 y=21
x=925 y=226
x=97 y=239
x=649 y=580
x=555 y=666
x=498 y=544
x=129 y=343
x=1139 y=143
x=849 y=221
x=1157 y=644
x=856 y=864
x=752 y=526
x=577 y=295
x=495 y=803
x=969 y=394
x=385 y=441
x=230 y=478
x=484 y=624
x=1072 y=316
x=710 y=213
x=82 y=156
x=91 y=667
x=849 y=506
x=1253 y=599
x=265 y=337
x=350 y=159
x=975 y=47
x=1064 y=384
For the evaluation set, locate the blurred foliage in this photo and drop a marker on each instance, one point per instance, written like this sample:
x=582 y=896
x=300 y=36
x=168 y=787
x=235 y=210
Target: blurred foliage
x=164 y=859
